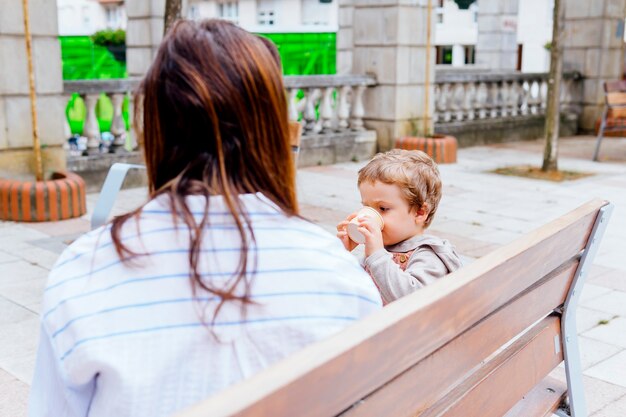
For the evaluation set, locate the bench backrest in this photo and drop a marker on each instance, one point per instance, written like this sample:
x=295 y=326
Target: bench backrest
x=471 y=344
x=615 y=98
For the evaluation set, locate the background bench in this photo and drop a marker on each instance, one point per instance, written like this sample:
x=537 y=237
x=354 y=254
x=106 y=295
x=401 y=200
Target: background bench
x=480 y=342
x=614 y=114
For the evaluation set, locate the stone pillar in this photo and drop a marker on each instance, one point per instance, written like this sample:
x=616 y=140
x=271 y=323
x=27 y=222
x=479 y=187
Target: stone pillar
x=458 y=55
x=497 y=34
x=594 y=45
x=143 y=34
x=390 y=42
x=345 y=43
x=16 y=138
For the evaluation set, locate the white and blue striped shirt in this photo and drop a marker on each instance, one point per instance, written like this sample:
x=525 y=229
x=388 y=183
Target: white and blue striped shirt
x=125 y=339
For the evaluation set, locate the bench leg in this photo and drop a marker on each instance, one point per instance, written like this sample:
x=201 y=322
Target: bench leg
x=600 y=134
x=110 y=189
x=573 y=369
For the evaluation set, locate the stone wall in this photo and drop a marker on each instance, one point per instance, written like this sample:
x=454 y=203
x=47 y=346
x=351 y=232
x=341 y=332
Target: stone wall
x=144 y=33
x=497 y=34
x=388 y=40
x=594 y=45
x=16 y=139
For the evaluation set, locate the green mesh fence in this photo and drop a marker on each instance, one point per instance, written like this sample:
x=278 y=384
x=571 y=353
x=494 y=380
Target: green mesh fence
x=301 y=54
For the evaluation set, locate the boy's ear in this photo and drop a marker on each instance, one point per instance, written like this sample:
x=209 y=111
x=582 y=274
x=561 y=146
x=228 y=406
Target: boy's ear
x=421 y=214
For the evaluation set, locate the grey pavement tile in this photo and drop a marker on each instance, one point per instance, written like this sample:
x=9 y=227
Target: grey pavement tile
x=18 y=347
x=38 y=256
x=20 y=271
x=587 y=319
x=597 y=271
x=612 y=301
x=591 y=292
x=612 y=278
x=7 y=257
x=65 y=227
x=26 y=293
x=614 y=332
x=13 y=396
x=616 y=408
x=592 y=351
x=598 y=393
x=611 y=370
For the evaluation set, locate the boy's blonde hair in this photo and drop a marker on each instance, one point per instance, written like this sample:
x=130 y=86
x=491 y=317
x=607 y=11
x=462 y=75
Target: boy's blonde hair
x=414 y=172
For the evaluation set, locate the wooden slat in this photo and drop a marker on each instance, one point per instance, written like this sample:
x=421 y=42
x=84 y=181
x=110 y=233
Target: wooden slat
x=501 y=382
x=613 y=86
x=616 y=98
x=543 y=400
x=342 y=369
x=416 y=390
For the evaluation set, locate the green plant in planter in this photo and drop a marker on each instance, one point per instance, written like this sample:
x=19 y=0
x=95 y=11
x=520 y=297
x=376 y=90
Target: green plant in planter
x=109 y=37
x=113 y=40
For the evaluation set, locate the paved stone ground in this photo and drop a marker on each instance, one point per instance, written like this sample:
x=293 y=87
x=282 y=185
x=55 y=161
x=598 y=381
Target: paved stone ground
x=479 y=212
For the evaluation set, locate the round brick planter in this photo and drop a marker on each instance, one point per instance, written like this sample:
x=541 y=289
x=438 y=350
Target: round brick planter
x=60 y=198
x=441 y=148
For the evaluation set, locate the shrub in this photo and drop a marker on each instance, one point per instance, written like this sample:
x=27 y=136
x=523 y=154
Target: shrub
x=109 y=37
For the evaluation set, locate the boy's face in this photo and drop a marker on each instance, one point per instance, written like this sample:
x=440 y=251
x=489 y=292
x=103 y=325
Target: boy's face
x=401 y=222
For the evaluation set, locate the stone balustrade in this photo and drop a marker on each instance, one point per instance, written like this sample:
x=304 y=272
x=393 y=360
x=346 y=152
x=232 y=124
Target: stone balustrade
x=466 y=95
x=90 y=91
x=327 y=103
x=324 y=104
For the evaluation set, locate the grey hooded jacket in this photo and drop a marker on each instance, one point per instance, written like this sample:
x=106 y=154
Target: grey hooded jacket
x=432 y=259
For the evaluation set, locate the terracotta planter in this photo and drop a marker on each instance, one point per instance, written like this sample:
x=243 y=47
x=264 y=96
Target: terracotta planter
x=60 y=198
x=441 y=148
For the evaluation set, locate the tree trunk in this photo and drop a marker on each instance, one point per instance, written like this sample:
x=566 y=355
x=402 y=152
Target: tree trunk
x=550 y=153
x=172 y=13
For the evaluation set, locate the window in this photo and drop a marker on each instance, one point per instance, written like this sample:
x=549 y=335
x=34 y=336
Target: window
x=440 y=3
x=439 y=17
x=267 y=15
x=113 y=17
x=315 y=12
x=444 y=54
x=470 y=54
x=229 y=10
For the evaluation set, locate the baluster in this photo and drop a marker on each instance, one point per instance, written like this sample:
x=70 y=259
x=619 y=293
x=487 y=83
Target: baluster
x=326 y=109
x=312 y=96
x=524 y=95
x=459 y=101
x=91 y=129
x=133 y=133
x=294 y=114
x=469 y=100
x=544 y=95
x=534 y=97
x=438 y=104
x=118 y=127
x=356 y=123
x=447 y=100
x=344 y=107
x=493 y=100
x=481 y=100
x=514 y=96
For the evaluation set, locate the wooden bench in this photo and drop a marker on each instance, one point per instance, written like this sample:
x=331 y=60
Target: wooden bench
x=614 y=114
x=480 y=342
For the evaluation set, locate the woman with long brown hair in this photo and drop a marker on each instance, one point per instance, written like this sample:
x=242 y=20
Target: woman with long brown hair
x=216 y=276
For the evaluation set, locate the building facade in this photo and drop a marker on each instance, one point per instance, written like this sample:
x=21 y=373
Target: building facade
x=270 y=16
x=84 y=17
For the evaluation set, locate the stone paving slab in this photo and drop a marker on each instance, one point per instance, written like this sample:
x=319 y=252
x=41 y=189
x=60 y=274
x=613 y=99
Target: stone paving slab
x=478 y=213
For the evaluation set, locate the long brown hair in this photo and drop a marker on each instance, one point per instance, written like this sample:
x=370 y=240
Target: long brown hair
x=211 y=115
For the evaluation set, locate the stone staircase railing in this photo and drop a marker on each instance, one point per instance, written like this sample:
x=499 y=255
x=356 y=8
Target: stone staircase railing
x=325 y=104
x=466 y=95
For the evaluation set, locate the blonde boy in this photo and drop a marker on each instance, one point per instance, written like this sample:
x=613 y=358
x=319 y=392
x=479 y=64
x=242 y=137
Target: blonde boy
x=405 y=188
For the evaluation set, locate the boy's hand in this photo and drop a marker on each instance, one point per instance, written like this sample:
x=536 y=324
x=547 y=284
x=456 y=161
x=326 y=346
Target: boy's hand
x=342 y=233
x=373 y=235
